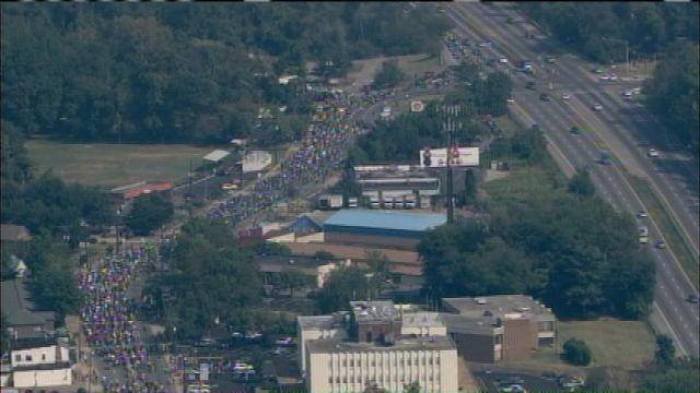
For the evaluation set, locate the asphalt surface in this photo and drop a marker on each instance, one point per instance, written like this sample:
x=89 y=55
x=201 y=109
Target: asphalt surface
x=481 y=23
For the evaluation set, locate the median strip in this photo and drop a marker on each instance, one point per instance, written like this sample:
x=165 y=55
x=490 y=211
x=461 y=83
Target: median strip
x=668 y=228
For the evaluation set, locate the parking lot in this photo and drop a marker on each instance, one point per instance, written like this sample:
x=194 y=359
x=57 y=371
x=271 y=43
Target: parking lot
x=491 y=381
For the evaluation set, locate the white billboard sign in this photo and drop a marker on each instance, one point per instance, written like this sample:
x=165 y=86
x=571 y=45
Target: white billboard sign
x=460 y=156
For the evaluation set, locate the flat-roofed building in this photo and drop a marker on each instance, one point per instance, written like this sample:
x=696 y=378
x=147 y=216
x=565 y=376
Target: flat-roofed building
x=379 y=344
x=397 y=186
x=494 y=328
x=391 y=229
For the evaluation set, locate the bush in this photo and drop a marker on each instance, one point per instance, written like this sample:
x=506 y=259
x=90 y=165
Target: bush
x=577 y=352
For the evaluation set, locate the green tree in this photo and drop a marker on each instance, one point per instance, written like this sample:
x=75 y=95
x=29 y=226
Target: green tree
x=581 y=184
x=683 y=376
x=413 y=387
x=492 y=94
x=577 y=352
x=389 y=75
x=343 y=285
x=294 y=279
x=470 y=187
x=672 y=94
x=665 y=350
x=4 y=335
x=149 y=212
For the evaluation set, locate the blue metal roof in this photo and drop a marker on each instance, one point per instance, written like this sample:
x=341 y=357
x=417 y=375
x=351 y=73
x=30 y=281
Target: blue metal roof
x=382 y=219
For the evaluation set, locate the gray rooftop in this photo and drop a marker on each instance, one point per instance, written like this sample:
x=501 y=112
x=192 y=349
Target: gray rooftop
x=11 y=232
x=375 y=311
x=325 y=322
x=402 y=344
x=17 y=306
x=500 y=306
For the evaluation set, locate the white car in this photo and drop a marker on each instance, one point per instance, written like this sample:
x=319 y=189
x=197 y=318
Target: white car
x=613 y=77
x=510 y=101
x=566 y=96
x=627 y=93
x=653 y=153
x=597 y=107
x=503 y=60
x=485 y=45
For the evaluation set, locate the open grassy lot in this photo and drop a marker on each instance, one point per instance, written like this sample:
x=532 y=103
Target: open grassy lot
x=622 y=345
x=112 y=165
x=668 y=227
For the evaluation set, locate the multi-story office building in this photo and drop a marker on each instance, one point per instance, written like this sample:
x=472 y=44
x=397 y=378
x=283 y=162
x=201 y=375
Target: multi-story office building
x=378 y=344
x=494 y=328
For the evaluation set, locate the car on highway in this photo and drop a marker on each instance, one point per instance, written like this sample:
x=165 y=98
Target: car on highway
x=653 y=153
x=486 y=45
x=660 y=244
x=530 y=85
x=510 y=101
x=575 y=130
x=544 y=97
x=229 y=186
x=642 y=214
x=503 y=60
x=566 y=96
x=627 y=93
x=692 y=298
x=597 y=107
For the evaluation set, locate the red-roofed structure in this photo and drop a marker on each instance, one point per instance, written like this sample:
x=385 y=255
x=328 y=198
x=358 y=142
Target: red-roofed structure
x=147 y=189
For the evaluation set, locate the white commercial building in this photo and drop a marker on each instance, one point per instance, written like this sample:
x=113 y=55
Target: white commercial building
x=256 y=161
x=40 y=363
x=377 y=344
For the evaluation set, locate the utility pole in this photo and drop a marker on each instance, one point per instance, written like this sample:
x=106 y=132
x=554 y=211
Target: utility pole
x=450 y=127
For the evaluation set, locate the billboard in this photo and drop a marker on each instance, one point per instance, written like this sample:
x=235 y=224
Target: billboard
x=460 y=156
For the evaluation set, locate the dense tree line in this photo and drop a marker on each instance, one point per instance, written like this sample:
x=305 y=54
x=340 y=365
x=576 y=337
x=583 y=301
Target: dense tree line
x=193 y=72
x=673 y=93
x=214 y=282
x=51 y=210
x=45 y=202
x=401 y=139
x=601 y=30
x=573 y=251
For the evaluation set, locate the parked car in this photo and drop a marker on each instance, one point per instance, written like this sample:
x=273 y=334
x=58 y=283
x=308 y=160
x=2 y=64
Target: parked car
x=566 y=96
x=544 y=97
x=575 y=130
x=653 y=153
x=229 y=186
x=530 y=85
x=597 y=107
x=660 y=244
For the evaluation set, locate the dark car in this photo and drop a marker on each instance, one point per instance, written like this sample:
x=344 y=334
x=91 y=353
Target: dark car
x=660 y=244
x=692 y=298
x=575 y=130
x=544 y=97
x=530 y=85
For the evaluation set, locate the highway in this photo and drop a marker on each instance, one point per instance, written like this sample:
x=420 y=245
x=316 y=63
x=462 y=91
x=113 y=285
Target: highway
x=478 y=23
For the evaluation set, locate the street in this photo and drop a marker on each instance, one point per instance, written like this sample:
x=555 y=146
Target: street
x=582 y=151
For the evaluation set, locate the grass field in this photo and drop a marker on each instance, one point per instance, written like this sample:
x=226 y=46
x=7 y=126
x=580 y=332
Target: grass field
x=625 y=345
x=112 y=165
x=668 y=227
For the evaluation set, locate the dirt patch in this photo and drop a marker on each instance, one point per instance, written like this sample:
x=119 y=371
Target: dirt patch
x=363 y=71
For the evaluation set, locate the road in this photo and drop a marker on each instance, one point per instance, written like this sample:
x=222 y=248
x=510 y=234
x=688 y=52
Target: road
x=478 y=23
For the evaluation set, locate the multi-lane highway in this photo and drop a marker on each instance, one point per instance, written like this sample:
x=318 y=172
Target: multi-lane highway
x=607 y=129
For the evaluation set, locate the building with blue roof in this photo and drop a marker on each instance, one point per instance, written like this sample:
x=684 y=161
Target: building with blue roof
x=394 y=229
